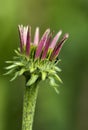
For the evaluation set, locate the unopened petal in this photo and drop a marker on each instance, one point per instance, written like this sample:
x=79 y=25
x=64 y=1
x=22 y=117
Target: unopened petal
x=44 y=54
x=41 y=43
x=36 y=37
x=55 y=39
x=28 y=41
x=58 y=47
x=20 y=28
x=25 y=31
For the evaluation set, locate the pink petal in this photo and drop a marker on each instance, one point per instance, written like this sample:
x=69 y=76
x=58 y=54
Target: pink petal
x=55 y=39
x=28 y=41
x=36 y=37
x=58 y=47
x=20 y=28
x=25 y=32
x=46 y=47
x=41 y=43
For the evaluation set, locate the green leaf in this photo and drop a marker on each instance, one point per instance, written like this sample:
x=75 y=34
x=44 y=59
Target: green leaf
x=32 y=80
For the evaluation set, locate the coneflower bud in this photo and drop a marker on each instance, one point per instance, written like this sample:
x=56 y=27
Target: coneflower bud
x=37 y=62
x=37 y=59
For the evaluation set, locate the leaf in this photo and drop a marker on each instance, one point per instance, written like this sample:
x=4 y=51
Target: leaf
x=32 y=80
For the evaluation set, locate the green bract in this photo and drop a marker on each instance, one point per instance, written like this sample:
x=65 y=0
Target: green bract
x=37 y=59
x=34 y=69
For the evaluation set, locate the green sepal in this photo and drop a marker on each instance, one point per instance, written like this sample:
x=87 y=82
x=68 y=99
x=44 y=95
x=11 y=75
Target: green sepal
x=58 y=78
x=18 y=64
x=15 y=76
x=9 y=62
x=52 y=71
x=17 y=53
x=21 y=71
x=10 y=67
x=54 y=75
x=9 y=72
x=16 y=57
x=32 y=69
x=44 y=74
x=32 y=80
x=57 y=69
x=53 y=84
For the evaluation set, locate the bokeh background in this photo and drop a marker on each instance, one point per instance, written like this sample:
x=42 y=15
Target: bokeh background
x=69 y=109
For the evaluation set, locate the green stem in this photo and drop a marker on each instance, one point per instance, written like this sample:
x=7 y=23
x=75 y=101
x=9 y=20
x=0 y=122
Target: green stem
x=29 y=103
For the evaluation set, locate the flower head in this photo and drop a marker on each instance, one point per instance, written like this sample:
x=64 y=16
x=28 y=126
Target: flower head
x=37 y=60
x=43 y=46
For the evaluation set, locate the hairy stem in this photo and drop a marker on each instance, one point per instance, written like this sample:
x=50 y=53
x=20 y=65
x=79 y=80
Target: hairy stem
x=29 y=103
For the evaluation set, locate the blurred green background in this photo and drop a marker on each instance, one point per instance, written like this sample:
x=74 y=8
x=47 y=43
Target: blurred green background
x=69 y=109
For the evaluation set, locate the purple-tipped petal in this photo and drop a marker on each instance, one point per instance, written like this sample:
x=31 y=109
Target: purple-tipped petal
x=25 y=33
x=36 y=37
x=58 y=47
x=46 y=47
x=20 y=28
x=55 y=39
x=28 y=41
x=41 y=43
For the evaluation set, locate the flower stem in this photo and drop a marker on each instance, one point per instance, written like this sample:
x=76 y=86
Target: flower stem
x=30 y=96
